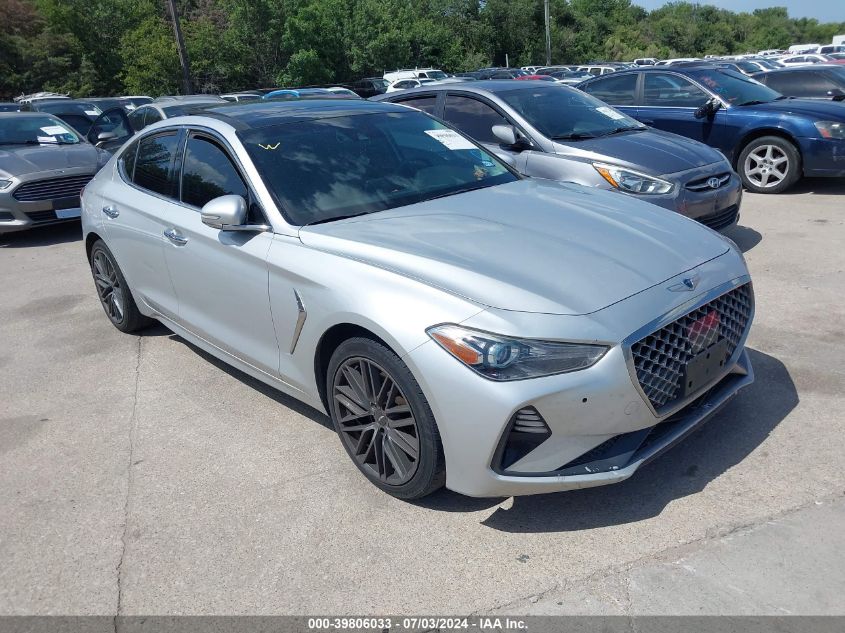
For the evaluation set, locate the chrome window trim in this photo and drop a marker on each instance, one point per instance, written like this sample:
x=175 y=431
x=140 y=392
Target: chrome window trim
x=667 y=318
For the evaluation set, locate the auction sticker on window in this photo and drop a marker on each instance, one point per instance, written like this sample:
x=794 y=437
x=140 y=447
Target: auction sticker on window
x=450 y=139
x=610 y=113
x=53 y=130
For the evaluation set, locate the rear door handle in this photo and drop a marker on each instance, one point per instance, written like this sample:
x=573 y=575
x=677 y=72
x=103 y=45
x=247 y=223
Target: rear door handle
x=176 y=237
x=111 y=211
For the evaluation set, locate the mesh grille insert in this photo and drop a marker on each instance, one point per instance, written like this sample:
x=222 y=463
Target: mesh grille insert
x=660 y=357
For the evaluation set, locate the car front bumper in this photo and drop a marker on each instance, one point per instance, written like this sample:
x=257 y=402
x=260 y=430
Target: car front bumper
x=586 y=411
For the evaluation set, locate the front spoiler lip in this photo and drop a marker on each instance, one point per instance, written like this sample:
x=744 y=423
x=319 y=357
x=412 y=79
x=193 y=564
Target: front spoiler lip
x=740 y=376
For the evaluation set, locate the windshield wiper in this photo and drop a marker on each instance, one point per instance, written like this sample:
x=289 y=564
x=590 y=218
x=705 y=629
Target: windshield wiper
x=627 y=128
x=783 y=97
x=456 y=192
x=753 y=102
x=575 y=136
x=19 y=143
x=335 y=218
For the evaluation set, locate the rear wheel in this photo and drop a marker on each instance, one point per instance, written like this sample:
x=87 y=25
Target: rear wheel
x=769 y=164
x=113 y=291
x=384 y=420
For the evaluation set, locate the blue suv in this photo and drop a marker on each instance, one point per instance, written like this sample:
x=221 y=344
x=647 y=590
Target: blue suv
x=770 y=140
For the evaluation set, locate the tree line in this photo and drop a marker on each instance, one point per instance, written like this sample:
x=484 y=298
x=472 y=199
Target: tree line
x=110 y=47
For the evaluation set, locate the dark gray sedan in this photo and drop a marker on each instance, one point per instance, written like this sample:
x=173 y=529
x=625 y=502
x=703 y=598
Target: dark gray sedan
x=560 y=133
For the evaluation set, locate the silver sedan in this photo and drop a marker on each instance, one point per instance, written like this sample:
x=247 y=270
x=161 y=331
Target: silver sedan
x=460 y=325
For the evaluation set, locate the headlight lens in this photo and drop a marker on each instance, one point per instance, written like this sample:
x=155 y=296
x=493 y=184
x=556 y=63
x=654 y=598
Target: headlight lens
x=831 y=129
x=504 y=358
x=633 y=181
x=5 y=183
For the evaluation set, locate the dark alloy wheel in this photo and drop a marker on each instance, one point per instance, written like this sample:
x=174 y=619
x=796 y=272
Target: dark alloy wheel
x=383 y=419
x=113 y=291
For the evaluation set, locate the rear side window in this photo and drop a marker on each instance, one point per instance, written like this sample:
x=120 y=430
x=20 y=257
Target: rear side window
x=208 y=173
x=152 y=117
x=426 y=104
x=127 y=161
x=136 y=118
x=473 y=117
x=154 y=165
x=618 y=90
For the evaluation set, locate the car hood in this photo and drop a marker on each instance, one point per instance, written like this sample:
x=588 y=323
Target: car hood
x=820 y=110
x=19 y=160
x=530 y=246
x=652 y=151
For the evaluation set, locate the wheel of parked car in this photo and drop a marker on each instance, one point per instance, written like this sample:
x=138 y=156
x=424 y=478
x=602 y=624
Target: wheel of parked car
x=114 y=292
x=384 y=420
x=769 y=164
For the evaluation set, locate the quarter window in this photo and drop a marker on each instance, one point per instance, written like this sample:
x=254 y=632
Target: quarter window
x=473 y=117
x=154 y=166
x=127 y=160
x=615 y=90
x=671 y=91
x=426 y=104
x=208 y=173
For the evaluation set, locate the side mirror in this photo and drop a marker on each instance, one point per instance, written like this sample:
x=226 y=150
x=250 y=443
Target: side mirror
x=510 y=137
x=228 y=213
x=836 y=94
x=105 y=137
x=708 y=108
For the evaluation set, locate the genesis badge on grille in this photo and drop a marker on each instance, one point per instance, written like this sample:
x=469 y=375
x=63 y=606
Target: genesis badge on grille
x=686 y=285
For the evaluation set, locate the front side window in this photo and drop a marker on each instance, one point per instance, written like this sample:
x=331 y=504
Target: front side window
x=567 y=114
x=473 y=117
x=208 y=173
x=671 y=91
x=325 y=169
x=153 y=116
x=136 y=118
x=618 y=90
x=154 y=165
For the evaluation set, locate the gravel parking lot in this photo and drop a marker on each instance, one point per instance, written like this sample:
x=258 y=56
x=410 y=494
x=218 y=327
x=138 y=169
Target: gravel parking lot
x=139 y=475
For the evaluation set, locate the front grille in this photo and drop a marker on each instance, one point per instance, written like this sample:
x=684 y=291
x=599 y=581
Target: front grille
x=704 y=184
x=660 y=358
x=721 y=219
x=51 y=188
x=41 y=216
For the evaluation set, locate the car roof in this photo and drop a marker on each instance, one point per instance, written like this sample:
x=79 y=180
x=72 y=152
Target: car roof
x=248 y=115
x=483 y=86
x=17 y=115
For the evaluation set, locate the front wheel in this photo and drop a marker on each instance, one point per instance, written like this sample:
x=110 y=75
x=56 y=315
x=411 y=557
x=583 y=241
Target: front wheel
x=769 y=164
x=384 y=420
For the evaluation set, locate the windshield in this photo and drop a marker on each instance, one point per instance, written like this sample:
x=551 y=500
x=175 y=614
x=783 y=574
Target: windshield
x=35 y=130
x=733 y=87
x=329 y=168
x=70 y=107
x=436 y=74
x=562 y=113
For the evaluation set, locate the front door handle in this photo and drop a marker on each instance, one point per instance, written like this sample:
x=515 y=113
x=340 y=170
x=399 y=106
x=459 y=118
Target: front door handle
x=111 y=211
x=176 y=237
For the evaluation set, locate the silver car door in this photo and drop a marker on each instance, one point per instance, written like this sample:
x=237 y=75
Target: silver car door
x=135 y=205
x=221 y=277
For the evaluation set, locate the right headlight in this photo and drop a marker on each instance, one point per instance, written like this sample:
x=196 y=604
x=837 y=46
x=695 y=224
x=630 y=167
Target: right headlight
x=633 y=181
x=502 y=358
x=831 y=129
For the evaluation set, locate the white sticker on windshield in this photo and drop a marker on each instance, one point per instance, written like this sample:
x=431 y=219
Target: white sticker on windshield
x=610 y=113
x=53 y=130
x=45 y=139
x=92 y=113
x=450 y=139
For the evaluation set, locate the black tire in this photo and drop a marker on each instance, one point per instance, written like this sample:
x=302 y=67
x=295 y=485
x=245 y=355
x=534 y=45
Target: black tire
x=769 y=164
x=382 y=448
x=113 y=291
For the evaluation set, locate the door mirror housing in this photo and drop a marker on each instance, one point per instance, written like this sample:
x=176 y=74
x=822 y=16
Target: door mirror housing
x=708 y=108
x=105 y=137
x=229 y=213
x=510 y=137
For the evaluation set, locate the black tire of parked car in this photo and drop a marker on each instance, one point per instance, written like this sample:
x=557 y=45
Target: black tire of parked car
x=781 y=147
x=113 y=291
x=429 y=473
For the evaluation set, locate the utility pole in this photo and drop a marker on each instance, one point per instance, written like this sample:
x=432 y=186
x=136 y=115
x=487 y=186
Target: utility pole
x=180 y=45
x=548 y=35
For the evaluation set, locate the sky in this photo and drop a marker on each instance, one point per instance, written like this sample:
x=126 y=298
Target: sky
x=822 y=10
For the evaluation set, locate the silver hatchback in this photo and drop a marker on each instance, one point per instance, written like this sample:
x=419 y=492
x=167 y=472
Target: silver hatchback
x=561 y=133
x=460 y=324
